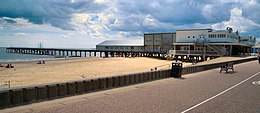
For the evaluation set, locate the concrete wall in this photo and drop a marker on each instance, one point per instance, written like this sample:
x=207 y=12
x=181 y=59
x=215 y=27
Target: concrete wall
x=25 y=95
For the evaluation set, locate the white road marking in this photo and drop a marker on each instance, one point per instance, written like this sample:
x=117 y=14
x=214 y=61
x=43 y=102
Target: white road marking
x=219 y=93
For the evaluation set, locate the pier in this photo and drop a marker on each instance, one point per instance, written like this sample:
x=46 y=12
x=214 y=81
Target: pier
x=81 y=52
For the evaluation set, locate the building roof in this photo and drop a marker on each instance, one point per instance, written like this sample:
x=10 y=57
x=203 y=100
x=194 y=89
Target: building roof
x=191 y=43
x=193 y=29
x=257 y=45
x=130 y=42
x=159 y=33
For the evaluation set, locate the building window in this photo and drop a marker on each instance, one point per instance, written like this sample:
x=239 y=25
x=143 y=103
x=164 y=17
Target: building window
x=193 y=36
x=184 y=48
x=188 y=36
x=106 y=47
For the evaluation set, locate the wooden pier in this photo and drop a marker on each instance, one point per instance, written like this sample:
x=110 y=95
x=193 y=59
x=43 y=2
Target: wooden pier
x=81 y=52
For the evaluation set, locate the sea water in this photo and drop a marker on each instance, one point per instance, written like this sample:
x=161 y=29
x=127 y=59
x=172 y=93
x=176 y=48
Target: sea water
x=15 y=57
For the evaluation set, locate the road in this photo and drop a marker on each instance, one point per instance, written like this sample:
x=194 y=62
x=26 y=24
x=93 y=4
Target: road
x=203 y=92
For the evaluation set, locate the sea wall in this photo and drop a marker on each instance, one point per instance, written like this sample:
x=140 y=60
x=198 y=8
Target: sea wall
x=25 y=95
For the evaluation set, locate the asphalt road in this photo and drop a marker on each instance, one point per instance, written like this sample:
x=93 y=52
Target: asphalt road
x=203 y=92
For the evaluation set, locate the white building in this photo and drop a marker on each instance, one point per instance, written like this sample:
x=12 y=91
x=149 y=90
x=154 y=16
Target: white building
x=189 y=43
x=136 y=45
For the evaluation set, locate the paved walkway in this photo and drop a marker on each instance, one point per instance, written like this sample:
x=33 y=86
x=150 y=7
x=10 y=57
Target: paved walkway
x=208 y=91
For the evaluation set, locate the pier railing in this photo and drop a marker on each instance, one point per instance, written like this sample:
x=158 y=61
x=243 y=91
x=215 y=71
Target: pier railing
x=81 y=52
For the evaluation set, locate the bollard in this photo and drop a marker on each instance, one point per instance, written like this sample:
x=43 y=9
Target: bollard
x=145 y=76
x=136 y=78
x=87 y=85
x=4 y=98
x=115 y=81
x=102 y=83
x=52 y=91
x=62 y=89
x=41 y=92
x=153 y=75
x=80 y=87
x=71 y=87
x=132 y=79
x=157 y=74
x=150 y=76
x=127 y=79
x=109 y=82
x=94 y=84
x=141 y=78
x=164 y=72
x=160 y=74
x=121 y=80
x=29 y=94
x=16 y=96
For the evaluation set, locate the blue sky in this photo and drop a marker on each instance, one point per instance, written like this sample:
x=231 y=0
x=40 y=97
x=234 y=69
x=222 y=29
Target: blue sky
x=84 y=23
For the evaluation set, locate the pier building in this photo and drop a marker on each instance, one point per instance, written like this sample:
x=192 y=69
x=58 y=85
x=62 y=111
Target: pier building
x=187 y=43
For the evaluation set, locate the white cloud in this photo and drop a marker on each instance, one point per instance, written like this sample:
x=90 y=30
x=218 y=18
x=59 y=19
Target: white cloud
x=207 y=12
x=237 y=22
x=106 y=19
x=102 y=1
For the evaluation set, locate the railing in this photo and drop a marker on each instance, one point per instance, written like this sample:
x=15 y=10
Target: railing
x=195 y=52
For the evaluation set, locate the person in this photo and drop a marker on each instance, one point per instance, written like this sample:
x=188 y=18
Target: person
x=9 y=66
x=1 y=65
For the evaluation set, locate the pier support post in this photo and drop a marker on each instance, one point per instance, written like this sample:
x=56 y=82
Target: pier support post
x=106 y=54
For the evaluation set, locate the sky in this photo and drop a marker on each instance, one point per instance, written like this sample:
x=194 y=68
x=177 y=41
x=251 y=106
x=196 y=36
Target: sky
x=85 y=23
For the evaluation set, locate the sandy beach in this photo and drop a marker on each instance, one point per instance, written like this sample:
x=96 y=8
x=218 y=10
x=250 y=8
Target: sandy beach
x=30 y=73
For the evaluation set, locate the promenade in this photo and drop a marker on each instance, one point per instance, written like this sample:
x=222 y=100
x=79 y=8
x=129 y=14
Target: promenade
x=207 y=91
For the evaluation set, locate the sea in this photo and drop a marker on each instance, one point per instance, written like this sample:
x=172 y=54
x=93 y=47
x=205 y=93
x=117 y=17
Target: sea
x=14 y=57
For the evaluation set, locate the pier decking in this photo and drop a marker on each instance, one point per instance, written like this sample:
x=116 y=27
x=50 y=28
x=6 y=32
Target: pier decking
x=80 y=52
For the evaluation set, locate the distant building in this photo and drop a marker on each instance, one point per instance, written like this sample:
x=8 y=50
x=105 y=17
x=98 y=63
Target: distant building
x=257 y=48
x=186 y=43
x=208 y=42
x=134 y=45
x=159 y=42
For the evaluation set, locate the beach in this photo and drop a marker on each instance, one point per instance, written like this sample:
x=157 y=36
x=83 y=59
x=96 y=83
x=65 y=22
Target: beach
x=31 y=73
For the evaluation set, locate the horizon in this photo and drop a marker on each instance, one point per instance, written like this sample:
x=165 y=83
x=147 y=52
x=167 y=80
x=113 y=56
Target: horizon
x=85 y=23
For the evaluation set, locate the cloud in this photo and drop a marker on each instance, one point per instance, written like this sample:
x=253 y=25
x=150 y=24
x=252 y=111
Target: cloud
x=56 y=13
x=238 y=22
x=104 y=19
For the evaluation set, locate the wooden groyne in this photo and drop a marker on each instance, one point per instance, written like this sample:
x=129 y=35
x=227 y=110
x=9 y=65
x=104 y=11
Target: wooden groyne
x=81 y=52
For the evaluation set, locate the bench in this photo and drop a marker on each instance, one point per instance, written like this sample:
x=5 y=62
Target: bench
x=226 y=67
